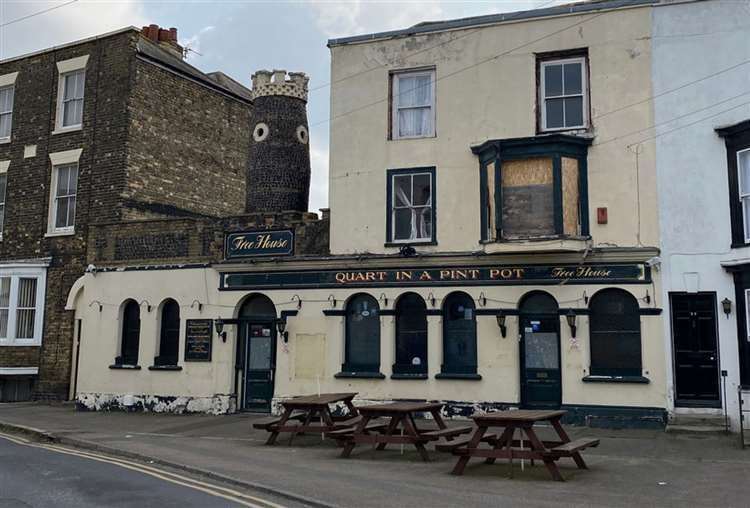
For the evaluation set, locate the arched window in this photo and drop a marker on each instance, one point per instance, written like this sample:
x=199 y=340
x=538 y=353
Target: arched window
x=131 y=333
x=258 y=307
x=459 y=335
x=169 y=339
x=615 y=334
x=362 y=348
x=411 y=335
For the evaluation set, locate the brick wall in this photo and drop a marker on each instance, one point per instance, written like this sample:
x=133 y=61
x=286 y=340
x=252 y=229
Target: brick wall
x=187 y=147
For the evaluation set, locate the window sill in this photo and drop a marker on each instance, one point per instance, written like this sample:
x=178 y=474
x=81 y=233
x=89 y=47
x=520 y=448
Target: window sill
x=406 y=138
x=17 y=343
x=52 y=234
x=616 y=379
x=4 y=141
x=572 y=244
x=165 y=367
x=584 y=129
x=359 y=375
x=63 y=130
x=398 y=375
x=125 y=367
x=416 y=243
x=451 y=375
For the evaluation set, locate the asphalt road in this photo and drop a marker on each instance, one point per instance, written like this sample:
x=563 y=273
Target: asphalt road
x=43 y=476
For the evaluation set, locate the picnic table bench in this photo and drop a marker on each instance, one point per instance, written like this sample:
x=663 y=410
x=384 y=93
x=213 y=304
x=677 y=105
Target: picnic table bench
x=401 y=428
x=506 y=446
x=309 y=413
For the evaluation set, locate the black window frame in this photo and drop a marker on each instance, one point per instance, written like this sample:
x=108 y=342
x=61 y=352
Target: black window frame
x=362 y=368
x=451 y=367
x=736 y=139
x=553 y=146
x=626 y=371
x=169 y=334
x=131 y=331
x=389 y=240
x=405 y=370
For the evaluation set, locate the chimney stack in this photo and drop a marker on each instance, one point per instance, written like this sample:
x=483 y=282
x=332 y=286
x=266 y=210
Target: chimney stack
x=164 y=38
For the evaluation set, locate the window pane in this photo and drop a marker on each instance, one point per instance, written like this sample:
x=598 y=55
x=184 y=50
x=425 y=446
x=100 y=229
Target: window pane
x=746 y=213
x=80 y=79
x=6 y=99
x=615 y=333
x=402 y=224
x=402 y=190
x=743 y=160
x=68 y=113
x=3 y=182
x=573 y=111
x=491 y=225
x=62 y=181
x=414 y=91
x=4 y=292
x=413 y=122
x=61 y=214
x=25 y=313
x=553 y=80
x=5 y=124
x=572 y=78
x=571 y=219
x=424 y=223
x=411 y=335
x=527 y=193
x=459 y=334
x=422 y=190
x=71 y=212
x=363 y=333
x=554 y=113
x=26 y=292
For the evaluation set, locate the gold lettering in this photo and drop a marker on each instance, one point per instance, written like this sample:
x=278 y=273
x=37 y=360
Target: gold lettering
x=425 y=276
x=340 y=277
x=445 y=274
x=404 y=275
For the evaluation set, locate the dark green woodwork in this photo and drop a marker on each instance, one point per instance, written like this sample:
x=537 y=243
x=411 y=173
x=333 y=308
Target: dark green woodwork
x=389 y=200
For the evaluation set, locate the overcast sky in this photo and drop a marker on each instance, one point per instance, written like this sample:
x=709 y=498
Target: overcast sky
x=239 y=37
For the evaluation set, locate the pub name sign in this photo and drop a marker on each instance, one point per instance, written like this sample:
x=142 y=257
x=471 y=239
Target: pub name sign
x=449 y=276
x=259 y=243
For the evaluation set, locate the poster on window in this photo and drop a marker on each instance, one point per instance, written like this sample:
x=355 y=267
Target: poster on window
x=198 y=334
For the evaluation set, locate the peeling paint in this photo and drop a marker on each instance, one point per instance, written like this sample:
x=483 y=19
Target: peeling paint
x=216 y=405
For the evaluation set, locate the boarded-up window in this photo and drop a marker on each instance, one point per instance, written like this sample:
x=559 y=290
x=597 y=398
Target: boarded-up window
x=527 y=198
x=571 y=206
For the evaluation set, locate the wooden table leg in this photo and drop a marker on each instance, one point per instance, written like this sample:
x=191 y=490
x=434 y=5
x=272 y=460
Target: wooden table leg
x=352 y=409
x=411 y=430
x=549 y=462
x=392 y=426
x=458 y=469
x=310 y=413
x=274 y=434
x=438 y=418
x=349 y=446
x=566 y=439
x=507 y=433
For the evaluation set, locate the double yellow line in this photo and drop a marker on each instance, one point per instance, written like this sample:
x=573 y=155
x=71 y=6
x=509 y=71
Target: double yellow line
x=208 y=488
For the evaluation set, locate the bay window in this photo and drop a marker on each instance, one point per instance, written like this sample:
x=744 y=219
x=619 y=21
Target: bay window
x=533 y=188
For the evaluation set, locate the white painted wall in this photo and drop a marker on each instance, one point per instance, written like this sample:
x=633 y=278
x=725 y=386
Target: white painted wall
x=692 y=41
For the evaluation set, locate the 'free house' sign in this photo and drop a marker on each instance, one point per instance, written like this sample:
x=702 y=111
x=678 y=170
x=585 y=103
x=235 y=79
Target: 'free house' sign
x=259 y=243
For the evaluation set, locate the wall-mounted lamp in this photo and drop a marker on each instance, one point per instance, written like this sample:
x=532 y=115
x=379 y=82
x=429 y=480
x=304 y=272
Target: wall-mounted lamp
x=585 y=298
x=299 y=301
x=571 y=318
x=332 y=299
x=647 y=298
x=482 y=300
x=726 y=306
x=383 y=299
x=500 y=317
x=219 y=325
x=98 y=303
x=281 y=327
x=200 y=305
x=431 y=298
x=148 y=305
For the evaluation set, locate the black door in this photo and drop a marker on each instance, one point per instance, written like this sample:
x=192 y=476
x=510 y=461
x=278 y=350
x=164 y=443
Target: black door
x=540 y=362
x=696 y=358
x=260 y=366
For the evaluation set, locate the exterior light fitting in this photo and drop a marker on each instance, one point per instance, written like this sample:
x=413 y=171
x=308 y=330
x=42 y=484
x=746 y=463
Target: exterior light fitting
x=219 y=325
x=570 y=316
x=431 y=298
x=281 y=327
x=299 y=301
x=726 y=306
x=148 y=305
x=332 y=299
x=482 y=300
x=500 y=317
x=384 y=299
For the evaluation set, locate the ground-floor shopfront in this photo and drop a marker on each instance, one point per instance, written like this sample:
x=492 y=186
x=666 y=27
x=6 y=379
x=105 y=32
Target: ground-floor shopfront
x=479 y=334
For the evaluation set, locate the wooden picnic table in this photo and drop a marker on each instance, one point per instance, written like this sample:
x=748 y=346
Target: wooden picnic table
x=401 y=429
x=300 y=412
x=506 y=446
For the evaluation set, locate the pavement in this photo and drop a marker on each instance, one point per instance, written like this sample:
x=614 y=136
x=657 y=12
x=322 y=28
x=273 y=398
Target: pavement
x=630 y=467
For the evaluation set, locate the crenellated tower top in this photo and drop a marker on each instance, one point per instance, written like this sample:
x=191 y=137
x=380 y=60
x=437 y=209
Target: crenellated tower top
x=276 y=83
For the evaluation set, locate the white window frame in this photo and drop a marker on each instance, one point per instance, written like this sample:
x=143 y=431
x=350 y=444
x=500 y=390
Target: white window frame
x=64 y=68
x=583 y=60
x=741 y=196
x=8 y=81
x=395 y=80
x=392 y=198
x=24 y=272
x=4 y=165
x=60 y=159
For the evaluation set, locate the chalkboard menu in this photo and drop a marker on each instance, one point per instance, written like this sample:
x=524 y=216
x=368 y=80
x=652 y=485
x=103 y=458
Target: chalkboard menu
x=198 y=334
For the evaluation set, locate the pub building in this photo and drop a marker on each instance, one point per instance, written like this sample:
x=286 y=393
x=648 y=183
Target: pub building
x=481 y=249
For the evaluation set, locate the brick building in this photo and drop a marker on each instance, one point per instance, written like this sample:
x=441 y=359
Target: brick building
x=106 y=130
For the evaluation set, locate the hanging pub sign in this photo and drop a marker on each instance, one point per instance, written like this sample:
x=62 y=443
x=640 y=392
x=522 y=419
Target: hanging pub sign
x=198 y=334
x=449 y=276
x=259 y=243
